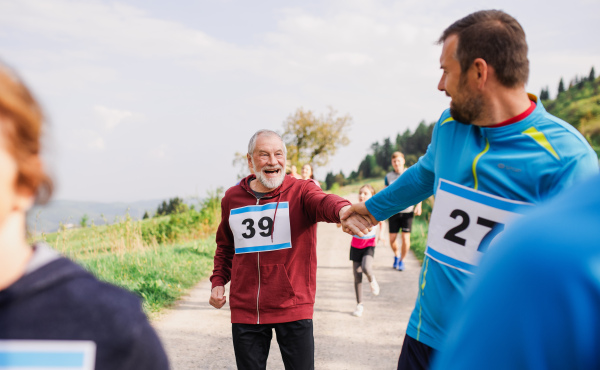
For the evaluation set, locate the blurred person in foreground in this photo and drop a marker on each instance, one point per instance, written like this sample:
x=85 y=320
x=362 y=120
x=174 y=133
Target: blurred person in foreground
x=49 y=306
x=495 y=152
x=535 y=302
x=266 y=247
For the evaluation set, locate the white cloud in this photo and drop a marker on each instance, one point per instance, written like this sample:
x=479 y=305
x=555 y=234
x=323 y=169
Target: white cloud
x=160 y=152
x=111 y=118
x=97 y=143
x=199 y=95
x=354 y=59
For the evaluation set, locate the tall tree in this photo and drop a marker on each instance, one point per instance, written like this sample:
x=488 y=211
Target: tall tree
x=592 y=75
x=544 y=94
x=312 y=139
x=329 y=180
x=561 y=86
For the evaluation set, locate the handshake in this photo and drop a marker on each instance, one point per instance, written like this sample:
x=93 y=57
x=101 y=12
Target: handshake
x=356 y=219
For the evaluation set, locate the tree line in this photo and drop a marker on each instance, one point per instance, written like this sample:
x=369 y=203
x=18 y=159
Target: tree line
x=376 y=164
x=578 y=82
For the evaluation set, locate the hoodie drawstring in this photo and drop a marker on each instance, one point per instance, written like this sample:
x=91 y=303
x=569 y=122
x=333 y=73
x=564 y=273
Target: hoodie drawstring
x=274 y=216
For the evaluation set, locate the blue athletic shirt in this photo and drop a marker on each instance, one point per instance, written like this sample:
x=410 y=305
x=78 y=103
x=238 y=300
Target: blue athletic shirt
x=535 y=301
x=527 y=161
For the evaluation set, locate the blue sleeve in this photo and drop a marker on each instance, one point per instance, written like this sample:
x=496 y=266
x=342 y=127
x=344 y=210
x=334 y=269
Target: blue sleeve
x=415 y=185
x=580 y=167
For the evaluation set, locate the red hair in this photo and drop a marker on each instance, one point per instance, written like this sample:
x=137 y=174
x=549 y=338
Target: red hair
x=21 y=121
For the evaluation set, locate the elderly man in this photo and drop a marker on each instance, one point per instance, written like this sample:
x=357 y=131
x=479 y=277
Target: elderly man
x=266 y=247
x=493 y=153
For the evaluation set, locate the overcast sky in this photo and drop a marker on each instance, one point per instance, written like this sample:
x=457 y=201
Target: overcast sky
x=151 y=99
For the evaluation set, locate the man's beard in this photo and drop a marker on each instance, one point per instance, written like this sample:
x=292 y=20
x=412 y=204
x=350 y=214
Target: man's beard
x=469 y=109
x=269 y=183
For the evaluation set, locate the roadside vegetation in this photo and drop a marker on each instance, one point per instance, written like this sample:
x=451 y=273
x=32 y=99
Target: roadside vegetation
x=158 y=258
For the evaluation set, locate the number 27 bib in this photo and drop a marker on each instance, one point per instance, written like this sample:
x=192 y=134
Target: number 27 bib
x=464 y=222
x=253 y=227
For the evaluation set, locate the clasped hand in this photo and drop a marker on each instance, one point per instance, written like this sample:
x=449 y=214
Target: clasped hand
x=354 y=223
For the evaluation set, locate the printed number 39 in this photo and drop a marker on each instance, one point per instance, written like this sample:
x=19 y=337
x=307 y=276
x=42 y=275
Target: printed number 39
x=495 y=229
x=265 y=224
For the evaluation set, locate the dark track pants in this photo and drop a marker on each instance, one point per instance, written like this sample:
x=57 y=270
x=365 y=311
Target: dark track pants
x=415 y=355
x=251 y=343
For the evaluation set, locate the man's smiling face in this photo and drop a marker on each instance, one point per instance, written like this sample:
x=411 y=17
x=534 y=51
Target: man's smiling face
x=268 y=161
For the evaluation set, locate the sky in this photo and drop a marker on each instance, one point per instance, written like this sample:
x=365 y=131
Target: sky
x=150 y=99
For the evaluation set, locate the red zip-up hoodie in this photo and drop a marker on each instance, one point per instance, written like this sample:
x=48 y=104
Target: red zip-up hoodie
x=273 y=286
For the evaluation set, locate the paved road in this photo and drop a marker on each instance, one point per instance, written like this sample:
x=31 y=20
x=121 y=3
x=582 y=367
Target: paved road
x=197 y=336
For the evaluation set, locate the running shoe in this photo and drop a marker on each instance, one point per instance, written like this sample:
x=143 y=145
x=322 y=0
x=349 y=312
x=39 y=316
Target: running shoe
x=400 y=266
x=359 y=310
x=396 y=261
x=374 y=286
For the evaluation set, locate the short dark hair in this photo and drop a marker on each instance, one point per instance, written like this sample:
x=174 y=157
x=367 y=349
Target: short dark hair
x=397 y=154
x=497 y=38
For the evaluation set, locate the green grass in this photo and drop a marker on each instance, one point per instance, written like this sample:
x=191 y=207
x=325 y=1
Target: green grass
x=418 y=237
x=159 y=259
x=377 y=183
x=159 y=275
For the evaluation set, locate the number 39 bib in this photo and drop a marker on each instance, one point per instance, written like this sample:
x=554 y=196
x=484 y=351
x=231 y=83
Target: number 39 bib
x=252 y=228
x=464 y=222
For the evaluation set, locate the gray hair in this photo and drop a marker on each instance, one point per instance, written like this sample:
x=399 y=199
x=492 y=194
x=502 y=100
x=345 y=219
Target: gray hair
x=252 y=143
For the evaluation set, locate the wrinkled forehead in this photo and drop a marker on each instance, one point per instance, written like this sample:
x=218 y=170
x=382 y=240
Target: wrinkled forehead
x=268 y=143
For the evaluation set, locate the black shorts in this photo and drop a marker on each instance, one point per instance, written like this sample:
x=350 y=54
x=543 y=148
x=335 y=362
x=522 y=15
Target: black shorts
x=415 y=355
x=401 y=221
x=357 y=254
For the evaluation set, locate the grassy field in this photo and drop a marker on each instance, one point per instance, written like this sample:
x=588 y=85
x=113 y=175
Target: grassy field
x=159 y=259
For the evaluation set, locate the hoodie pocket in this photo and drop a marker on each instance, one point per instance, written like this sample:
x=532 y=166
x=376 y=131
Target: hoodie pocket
x=275 y=288
x=244 y=287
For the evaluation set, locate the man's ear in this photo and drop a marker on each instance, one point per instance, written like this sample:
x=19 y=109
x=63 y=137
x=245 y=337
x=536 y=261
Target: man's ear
x=481 y=70
x=250 y=166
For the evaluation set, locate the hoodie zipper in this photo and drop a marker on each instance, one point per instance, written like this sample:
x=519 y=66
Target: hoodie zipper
x=258 y=266
x=258 y=255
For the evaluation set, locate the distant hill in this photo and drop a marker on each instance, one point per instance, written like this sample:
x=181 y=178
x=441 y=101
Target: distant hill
x=48 y=218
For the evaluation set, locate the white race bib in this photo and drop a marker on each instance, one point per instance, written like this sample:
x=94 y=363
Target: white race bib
x=259 y=229
x=370 y=235
x=464 y=222
x=47 y=355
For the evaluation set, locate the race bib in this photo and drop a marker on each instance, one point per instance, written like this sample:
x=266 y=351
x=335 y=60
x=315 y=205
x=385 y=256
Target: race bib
x=464 y=222
x=47 y=355
x=259 y=229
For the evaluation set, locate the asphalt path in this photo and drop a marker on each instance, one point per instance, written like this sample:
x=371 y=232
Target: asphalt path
x=198 y=336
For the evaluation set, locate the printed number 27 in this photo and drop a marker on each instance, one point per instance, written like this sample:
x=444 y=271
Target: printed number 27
x=495 y=229
x=265 y=224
